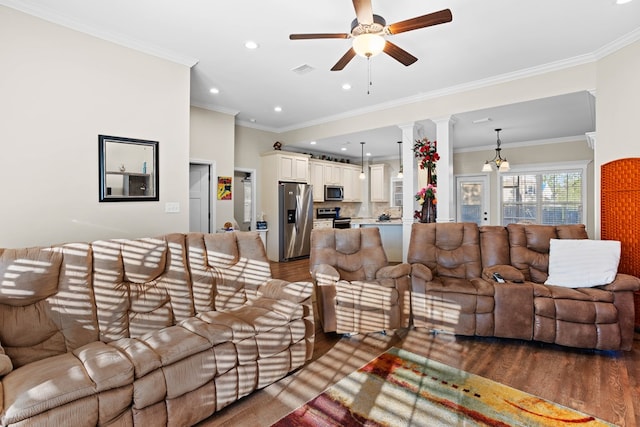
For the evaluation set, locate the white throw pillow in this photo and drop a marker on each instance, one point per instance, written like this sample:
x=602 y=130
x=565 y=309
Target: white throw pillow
x=581 y=263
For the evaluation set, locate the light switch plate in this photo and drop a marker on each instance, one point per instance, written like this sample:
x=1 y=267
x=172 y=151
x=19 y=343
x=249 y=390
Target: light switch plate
x=172 y=207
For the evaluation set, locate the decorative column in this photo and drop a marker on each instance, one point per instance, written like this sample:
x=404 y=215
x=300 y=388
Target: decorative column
x=409 y=182
x=444 y=170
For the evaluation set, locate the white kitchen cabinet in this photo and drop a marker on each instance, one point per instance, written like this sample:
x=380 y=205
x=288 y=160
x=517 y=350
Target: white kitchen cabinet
x=352 y=184
x=332 y=174
x=379 y=182
x=396 y=192
x=316 y=170
x=291 y=167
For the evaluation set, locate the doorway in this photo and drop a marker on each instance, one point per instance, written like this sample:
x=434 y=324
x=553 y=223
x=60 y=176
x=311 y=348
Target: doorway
x=472 y=194
x=201 y=213
x=244 y=198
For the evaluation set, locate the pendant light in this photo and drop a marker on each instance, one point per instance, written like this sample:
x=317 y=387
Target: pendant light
x=362 y=175
x=400 y=172
x=502 y=165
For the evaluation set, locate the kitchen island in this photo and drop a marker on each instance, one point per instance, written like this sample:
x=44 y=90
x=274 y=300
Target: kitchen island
x=390 y=232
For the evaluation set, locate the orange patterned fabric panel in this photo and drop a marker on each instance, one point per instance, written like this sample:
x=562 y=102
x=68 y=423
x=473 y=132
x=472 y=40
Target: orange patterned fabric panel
x=620 y=210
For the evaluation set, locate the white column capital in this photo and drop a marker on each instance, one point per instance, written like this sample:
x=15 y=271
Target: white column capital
x=591 y=140
x=444 y=119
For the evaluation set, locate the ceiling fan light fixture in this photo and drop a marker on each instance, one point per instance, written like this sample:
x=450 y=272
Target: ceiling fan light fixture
x=368 y=44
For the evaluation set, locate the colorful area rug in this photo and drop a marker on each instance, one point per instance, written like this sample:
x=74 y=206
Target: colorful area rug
x=400 y=388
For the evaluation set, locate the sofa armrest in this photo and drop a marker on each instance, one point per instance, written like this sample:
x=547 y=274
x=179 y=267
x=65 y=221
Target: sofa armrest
x=623 y=282
x=508 y=272
x=325 y=274
x=421 y=271
x=394 y=271
x=278 y=289
x=5 y=363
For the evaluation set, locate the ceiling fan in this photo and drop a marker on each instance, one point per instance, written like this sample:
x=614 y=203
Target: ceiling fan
x=368 y=32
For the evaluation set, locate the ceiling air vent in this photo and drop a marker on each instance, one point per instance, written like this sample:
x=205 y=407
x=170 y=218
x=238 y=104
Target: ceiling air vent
x=303 y=69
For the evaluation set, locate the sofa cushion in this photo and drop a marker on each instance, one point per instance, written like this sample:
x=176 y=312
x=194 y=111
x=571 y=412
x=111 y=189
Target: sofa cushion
x=5 y=363
x=43 y=385
x=582 y=263
x=28 y=275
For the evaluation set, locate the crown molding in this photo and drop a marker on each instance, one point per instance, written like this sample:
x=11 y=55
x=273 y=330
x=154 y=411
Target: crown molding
x=216 y=109
x=129 y=42
x=523 y=144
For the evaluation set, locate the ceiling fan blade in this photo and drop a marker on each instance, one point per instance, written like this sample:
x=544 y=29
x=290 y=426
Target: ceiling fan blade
x=344 y=60
x=319 y=36
x=364 y=12
x=428 y=20
x=399 y=54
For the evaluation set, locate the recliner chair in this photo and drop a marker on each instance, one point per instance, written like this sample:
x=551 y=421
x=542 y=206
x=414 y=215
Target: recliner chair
x=356 y=290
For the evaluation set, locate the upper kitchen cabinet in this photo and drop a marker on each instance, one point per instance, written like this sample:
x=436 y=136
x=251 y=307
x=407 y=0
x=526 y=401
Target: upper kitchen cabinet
x=291 y=167
x=379 y=182
x=352 y=184
x=332 y=173
x=317 y=180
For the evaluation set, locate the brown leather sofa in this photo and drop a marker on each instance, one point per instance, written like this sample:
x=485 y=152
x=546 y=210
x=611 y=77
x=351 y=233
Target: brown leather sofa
x=149 y=332
x=453 y=290
x=356 y=290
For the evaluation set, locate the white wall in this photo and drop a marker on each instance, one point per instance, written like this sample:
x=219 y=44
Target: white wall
x=250 y=143
x=59 y=90
x=617 y=111
x=212 y=139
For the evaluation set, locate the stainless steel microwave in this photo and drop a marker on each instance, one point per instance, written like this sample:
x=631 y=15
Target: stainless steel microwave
x=333 y=193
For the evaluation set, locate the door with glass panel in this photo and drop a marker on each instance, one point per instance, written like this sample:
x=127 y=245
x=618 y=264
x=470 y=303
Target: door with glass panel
x=472 y=199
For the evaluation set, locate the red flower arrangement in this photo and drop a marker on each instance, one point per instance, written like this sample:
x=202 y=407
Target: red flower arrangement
x=427 y=154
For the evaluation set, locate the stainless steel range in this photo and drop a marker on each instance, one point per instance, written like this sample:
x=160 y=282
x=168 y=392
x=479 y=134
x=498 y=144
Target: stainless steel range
x=334 y=213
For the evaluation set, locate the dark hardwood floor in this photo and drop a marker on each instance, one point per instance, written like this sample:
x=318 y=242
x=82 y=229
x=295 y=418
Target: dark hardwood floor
x=602 y=384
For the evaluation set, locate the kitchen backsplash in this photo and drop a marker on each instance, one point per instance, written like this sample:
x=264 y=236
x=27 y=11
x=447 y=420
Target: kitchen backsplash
x=355 y=210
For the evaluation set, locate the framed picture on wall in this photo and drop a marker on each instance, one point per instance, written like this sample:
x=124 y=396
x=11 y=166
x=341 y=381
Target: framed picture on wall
x=224 y=188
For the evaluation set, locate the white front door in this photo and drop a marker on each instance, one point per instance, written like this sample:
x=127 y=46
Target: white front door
x=199 y=198
x=473 y=199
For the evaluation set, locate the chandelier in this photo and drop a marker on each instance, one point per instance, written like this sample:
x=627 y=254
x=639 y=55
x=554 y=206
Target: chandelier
x=501 y=163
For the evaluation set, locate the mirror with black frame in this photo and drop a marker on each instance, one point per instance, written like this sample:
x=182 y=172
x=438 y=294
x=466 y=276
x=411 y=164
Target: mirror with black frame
x=128 y=169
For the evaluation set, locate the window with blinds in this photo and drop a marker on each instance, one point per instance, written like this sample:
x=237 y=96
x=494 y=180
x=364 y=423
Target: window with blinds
x=552 y=197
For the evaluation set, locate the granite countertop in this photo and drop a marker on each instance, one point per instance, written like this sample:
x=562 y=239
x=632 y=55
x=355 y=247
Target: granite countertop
x=392 y=221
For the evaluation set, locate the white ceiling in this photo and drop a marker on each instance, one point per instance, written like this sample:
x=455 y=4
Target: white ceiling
x=485 y=40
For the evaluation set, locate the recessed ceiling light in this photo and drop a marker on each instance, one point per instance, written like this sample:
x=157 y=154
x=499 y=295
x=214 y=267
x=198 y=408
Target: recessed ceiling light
x=250 y=44
x=312 y=143
x=623 y=1
x=368 y=154
x=252 y=120
x=346 y=86
x=214 y=90
x=277 y=109
x=343 y=149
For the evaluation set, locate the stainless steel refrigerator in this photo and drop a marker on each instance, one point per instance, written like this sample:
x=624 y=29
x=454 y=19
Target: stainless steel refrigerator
x=296 y=220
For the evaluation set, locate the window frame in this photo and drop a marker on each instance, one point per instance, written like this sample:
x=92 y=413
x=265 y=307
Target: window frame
x=542 y=168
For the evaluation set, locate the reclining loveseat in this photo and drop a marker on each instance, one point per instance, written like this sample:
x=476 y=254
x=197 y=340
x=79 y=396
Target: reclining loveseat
x=453 y=287
x=147 y=332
